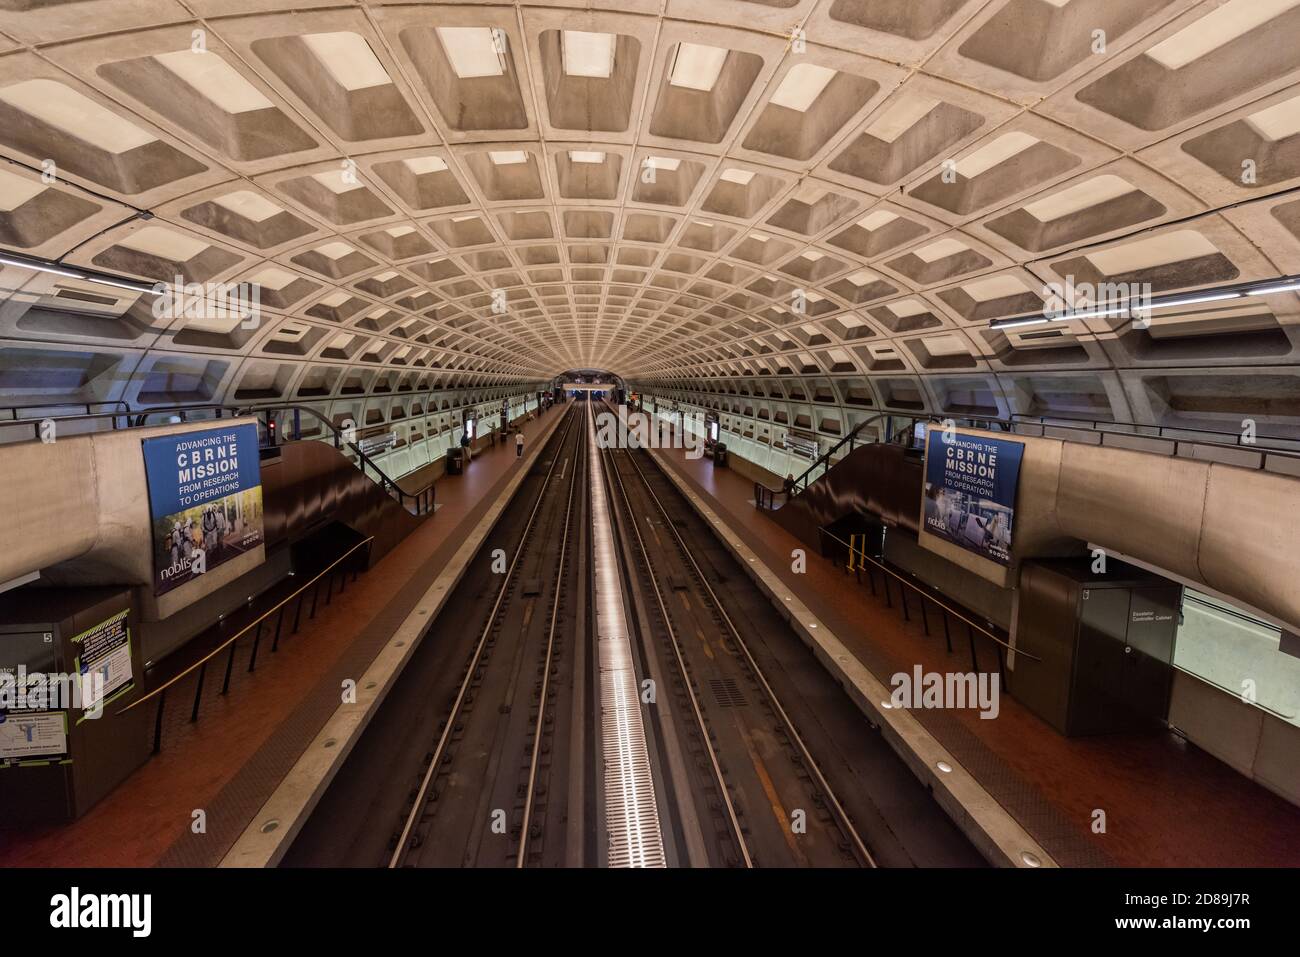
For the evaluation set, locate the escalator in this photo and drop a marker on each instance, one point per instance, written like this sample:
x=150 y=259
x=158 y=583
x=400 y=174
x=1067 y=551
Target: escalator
x=307 y=485
x=879 y=482
x=84 y=513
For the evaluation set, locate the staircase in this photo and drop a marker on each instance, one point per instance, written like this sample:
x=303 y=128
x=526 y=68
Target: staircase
x=310 y=475
x=878 y=481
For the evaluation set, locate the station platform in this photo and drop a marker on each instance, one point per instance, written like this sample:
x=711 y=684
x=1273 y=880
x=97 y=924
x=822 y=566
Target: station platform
x=1166 y=802
x=230 y=761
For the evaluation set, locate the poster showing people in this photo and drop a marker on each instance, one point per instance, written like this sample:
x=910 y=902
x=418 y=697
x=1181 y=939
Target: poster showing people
x=970 y=491
x=205 y=501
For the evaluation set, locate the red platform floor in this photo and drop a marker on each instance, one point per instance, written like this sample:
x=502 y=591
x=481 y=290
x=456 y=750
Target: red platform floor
x=1166 y=802
x=230 y=761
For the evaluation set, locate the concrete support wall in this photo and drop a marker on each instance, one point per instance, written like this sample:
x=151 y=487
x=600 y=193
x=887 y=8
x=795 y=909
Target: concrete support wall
x=79 y=514
x=1262 y=747
x=1233 y=530
x=1036 y=532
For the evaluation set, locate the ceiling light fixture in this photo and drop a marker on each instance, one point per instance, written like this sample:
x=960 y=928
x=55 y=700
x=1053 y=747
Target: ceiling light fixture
x=1290 y=286
x=588 y=54
x=1260 y=287
x=1193 y=300
x=696 y=66
x=58 y=269
x=507 y=157
x=801 y=86
x=474 y=52
x=347 y=58
x=1016 y=323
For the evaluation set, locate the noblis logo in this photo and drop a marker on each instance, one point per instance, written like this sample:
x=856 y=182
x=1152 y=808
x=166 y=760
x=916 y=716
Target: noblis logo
x=95 y=911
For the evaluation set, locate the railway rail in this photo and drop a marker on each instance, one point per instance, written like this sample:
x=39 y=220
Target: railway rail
x=628 y=698
x=770 y=812
x=779 y=757
x=526 y=624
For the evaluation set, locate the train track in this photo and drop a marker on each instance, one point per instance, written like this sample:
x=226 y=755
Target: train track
x=547 y=748
x=469 y=766
x=767 y=795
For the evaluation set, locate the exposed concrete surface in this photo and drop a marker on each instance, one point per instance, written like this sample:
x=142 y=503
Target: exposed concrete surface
x=81 y=515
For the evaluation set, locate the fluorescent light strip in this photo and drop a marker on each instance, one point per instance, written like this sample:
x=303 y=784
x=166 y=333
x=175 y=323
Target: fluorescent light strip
x=474 y=52
x=1016 y=323
x=696 y=66
x=1263 y=287
x=125 y=284
x=1293 y=286
x=43 y=265
x=587 y=54
x=1193 y=300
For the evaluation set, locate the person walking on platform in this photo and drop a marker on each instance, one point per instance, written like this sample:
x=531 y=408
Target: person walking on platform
x=519 y=444
x=464 y=444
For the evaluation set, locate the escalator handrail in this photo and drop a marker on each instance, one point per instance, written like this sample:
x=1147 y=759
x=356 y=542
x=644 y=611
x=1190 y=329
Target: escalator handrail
x=1019 y=420
x=802 y=480
x=421 y=501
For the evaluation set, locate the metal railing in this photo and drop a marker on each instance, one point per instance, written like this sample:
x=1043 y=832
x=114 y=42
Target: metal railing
x=1176 y=436
x=765 y=498
x=334 y=571
x=420 y=502
x=13 y=410
x=1179 y=436
x=860 y=560
x=120 y=414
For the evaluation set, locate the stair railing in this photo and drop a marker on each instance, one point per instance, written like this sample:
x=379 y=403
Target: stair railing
x=122 y=416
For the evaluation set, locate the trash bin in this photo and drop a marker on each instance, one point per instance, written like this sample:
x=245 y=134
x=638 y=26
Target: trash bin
x=455 y=460
x=720 y=454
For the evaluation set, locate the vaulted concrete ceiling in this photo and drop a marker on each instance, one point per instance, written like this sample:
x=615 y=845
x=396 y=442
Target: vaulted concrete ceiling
x=710 y=192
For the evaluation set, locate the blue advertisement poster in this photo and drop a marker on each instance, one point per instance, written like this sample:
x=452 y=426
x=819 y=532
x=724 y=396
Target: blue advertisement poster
x=205 y=501
x=970 y=491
